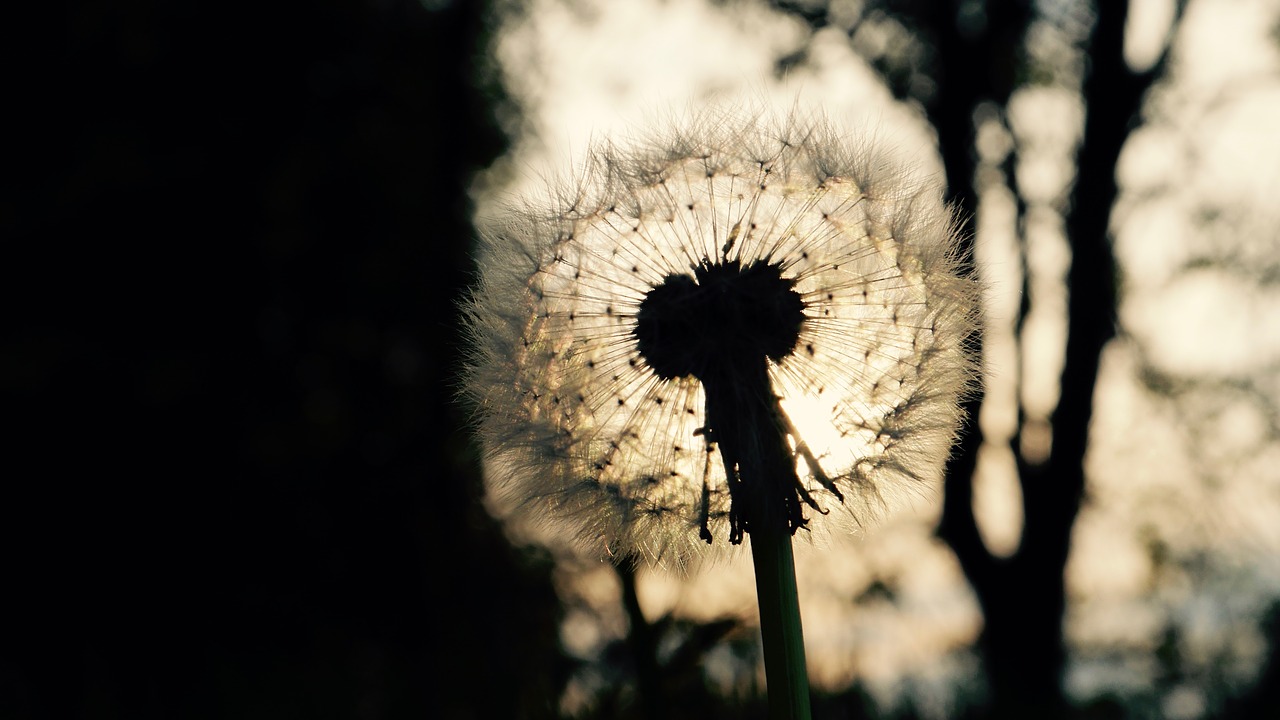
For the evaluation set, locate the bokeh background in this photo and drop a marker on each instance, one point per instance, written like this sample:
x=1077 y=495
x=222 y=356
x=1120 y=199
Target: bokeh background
x=238 y=483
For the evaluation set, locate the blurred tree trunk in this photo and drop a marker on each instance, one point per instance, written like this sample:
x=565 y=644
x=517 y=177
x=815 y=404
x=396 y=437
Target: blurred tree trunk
x=1023 y=597
x=978 y=58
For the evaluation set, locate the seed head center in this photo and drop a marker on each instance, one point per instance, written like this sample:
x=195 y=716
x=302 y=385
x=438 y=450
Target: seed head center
x=726 y=313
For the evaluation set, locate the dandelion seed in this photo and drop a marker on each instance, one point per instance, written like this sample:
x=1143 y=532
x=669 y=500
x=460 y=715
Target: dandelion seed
x=634 y=333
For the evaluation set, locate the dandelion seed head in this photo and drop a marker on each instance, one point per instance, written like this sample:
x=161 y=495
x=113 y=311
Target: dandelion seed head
x=608 y=313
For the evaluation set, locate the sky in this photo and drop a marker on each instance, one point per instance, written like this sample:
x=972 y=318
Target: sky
x=1185 y=451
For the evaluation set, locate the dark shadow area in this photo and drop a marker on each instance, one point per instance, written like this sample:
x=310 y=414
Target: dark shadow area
x=238 y=486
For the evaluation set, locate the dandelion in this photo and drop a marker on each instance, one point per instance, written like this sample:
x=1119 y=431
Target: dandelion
x=739 y=327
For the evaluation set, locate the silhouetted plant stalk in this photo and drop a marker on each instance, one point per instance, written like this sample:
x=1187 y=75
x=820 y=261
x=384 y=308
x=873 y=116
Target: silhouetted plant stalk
x=736 y=327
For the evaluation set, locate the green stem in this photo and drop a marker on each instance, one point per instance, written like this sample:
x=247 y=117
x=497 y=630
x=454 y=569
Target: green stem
x=745 y=421
x=784 y=666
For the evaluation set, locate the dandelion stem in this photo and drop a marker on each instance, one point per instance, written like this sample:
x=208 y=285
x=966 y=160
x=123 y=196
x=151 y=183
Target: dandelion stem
x=784 y=665
x=745 y=421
